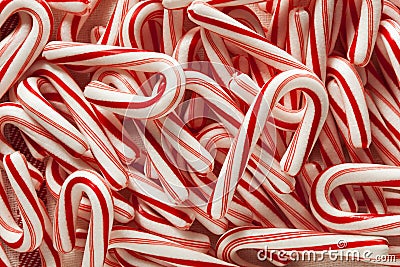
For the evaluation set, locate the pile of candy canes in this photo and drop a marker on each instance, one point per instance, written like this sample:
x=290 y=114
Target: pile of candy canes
x=302 y=149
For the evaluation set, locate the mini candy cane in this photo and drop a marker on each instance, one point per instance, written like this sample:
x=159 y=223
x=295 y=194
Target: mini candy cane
x=154 y=224
x=361 y=24
x=161 y=249
x=32 y=210
x=31 y=235
x=66 y=212
x=79 y=7
x=319 y=41
x=219 y=101
x=55 y=177
x=383 y=141
x=217 y=137
x=154 y=196
x=40 y=109
x=167 y=98
x=141 y=27
x=348 y=222
x=352 y=92
x=86 y=120
x=293 y=240
x=211 y=19
x=387 y=44
x=372 y=195
x=172 y=28
x=298 y=28
x=177 y=4
x=385 y=103
x=38 y=135
x=249 y=132
x=278 y=27
x=31 y=46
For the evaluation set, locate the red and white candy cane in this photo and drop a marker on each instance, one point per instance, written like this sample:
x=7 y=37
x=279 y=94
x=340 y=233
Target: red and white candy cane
x=27 y=49
x=125 y=81
x=230 y=29
x=322 y=41
x=152 y=223
x=86 y=120
x=142 y=26
x=139 y=107
x=293 y=242
x=78 y=7
x=349 y=222
x=30 y=236
x=373 y=195
x=173 y=30
x=160 y=249
x=177 y=4
x=154 y=196
x=298 y=28
x=387 y=47
x=37 y=228
x=383 y=141
x=91 y=184
x=33 y=102
x=361 y=21
x=254 y=121
x=352 y=91
x=55 y=177
x=219 y=101
x=14 y=114
x=388 y=108
x=278 y=28
x=216 y=137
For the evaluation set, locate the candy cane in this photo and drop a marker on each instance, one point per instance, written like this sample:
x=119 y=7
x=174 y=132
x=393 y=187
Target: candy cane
x=383 y=141
x=352 y=91
x=31 y=235
x=361 y=24
x=385 y=103
x=142 y=26
x=220 y=101
x=40 y=109
x=249 y=133
x=293 y=241
x=173 y=21
x=32 y=210
x=29 y=48
x=154 y=224
x=278 y=27
x=38 y=135
x=177 y=4
x=348 y=222
x=298 y=28
x=99 y=194
x=168 y=97
x=373 y=195
x=211 y=19
x=79 y=7
x=387 y=45
x=217 y=137
x=154 y=195
x=86 y=120
x=167 y=252
x=319 y=39
x=55 y=177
